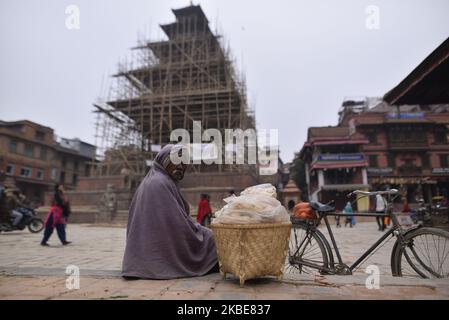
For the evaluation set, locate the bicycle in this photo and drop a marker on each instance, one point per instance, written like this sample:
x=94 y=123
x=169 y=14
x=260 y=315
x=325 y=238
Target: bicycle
x=418 y=251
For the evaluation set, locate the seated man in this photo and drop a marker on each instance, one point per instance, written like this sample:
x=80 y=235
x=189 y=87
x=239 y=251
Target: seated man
x=162 y=240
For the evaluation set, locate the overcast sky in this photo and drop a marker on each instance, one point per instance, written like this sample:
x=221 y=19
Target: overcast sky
x=300 y=58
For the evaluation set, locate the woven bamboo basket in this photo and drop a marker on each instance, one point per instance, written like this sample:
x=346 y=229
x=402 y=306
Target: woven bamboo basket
x=252 y=250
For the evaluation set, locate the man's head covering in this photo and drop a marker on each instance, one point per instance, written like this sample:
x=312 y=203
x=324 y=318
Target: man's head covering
x=163 y=157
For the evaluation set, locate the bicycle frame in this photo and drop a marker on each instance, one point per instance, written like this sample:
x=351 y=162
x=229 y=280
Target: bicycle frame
x=368 y=251
x=392 y=232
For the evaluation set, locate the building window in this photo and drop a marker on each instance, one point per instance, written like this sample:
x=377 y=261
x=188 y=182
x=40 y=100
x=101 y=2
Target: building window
x=63 y=163
x=372 y=137
x=40 y=136
x=443 y=161
x=62 y=177
x=10 y=169
x=74 y=179
x=43 y=153
x=13 y=146
x=86 y=170
x=391 y=161
x=75 y=166
x=54 y=174
x=340 y=176
x=405 y=136
x=440 y=137
x=40 y=174
x=425 y=161
x=25 y=172
x=373 y=161
x=29 y=150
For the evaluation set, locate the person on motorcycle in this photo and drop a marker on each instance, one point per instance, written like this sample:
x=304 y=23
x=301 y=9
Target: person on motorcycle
x=4 y=213
x=13 y=203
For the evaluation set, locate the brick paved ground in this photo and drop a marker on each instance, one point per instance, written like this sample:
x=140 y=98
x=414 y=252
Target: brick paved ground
x=29 y=271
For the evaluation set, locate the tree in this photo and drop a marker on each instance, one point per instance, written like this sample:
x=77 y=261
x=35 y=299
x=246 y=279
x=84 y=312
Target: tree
x=298 y=175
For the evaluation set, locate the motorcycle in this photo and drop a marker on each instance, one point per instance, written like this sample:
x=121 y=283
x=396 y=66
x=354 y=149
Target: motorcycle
x=422 y=216
x=29 y=219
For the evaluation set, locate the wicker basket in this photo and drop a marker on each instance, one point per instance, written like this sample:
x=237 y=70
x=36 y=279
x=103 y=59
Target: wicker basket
x=252 y=250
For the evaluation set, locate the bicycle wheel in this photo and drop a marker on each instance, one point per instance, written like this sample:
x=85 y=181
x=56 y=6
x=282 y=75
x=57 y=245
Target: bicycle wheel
x=425 y=254
x=305 y=247
x=36 y=225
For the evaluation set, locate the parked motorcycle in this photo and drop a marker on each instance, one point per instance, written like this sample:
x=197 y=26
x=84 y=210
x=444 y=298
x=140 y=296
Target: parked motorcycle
x=423 y=215
x=29 y=219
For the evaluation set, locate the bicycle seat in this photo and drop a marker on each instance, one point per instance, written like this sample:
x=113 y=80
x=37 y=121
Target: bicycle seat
x=321 y=207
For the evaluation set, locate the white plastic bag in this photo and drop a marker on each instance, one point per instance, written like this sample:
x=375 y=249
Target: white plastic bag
x=256 y=204
x=266 y=188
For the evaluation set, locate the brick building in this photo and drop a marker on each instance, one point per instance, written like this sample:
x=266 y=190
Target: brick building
x=398 y=141
x=408 y=148
x=34 y=161
x=334 y=164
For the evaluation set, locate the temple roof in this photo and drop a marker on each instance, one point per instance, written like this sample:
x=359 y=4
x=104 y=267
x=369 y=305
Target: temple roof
x=190 y=11
x=291 y=187
x=428 y=83
x=188 y=19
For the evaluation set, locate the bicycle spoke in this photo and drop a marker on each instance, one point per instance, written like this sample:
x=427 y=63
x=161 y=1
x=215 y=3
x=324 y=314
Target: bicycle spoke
x=426 y=254
x=445 y=255
x=304 y=248
x=424 y=251
x=413 y=265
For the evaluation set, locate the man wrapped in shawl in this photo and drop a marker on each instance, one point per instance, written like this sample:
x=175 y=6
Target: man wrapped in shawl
x=162 y=240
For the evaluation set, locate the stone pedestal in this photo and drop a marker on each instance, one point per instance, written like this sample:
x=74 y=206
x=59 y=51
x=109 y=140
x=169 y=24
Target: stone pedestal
x=104 y=216
x=107 y=208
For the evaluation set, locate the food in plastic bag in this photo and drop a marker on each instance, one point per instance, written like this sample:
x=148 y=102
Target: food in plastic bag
x=266 y=188
x=256 y=204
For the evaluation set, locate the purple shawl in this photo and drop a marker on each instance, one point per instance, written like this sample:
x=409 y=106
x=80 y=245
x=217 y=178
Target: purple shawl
x=162 y=240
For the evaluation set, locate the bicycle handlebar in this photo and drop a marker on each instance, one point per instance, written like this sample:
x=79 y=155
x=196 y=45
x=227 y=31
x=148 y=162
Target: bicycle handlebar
x=373 y=193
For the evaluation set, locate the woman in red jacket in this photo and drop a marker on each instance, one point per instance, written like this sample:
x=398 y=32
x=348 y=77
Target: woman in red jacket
x=57 y=216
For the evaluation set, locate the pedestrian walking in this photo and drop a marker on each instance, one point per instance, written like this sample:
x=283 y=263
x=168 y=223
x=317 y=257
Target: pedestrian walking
x=57 y=217
x=337 y=220
x=381 y=207
x=204 y=211
x=349 y=217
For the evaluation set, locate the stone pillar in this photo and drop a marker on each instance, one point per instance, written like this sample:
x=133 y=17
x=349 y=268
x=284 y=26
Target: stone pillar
x=364 y=176
x=320 y=178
